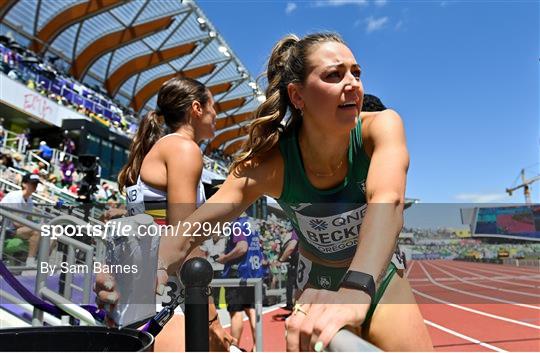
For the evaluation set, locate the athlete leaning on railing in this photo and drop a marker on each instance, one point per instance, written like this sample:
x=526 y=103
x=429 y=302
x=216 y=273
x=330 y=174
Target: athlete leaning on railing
x=340 y=176
x=165 y=171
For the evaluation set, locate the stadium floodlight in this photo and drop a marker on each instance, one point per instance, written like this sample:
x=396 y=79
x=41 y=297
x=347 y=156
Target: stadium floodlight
x=223 y=49
x=261 y=98
x=202 y=23
x=252 y=85
x=212 y=34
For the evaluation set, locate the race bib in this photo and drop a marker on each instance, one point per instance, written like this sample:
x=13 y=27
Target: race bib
x=334 y=233
x=135 y=200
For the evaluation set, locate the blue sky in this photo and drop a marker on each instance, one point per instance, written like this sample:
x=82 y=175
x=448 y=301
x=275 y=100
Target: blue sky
x=463 y=75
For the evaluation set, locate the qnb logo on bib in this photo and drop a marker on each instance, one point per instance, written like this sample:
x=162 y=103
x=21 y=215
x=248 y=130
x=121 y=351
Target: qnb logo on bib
x=333 y=233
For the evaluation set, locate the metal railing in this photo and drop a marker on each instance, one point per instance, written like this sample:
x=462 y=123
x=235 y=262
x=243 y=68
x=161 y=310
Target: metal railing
x=72 y=246
x=346 y=341
x=34 y=155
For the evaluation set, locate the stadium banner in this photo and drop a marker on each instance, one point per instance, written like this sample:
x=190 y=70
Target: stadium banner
x=31 y=102
x=518 y=222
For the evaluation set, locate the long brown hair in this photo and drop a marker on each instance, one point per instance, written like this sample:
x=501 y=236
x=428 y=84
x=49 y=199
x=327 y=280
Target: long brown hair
x=173 y=104
x=287 y=64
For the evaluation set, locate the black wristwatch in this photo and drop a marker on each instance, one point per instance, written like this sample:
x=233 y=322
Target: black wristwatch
x=359 y=280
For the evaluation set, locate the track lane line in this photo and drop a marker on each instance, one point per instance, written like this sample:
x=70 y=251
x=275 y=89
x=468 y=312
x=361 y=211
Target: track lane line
x=473 y=294
x=522 y=275
x=483 y=285
x=504 y=268
x=500 y=279
x=462 y=336
x=409 y=269
x=478 y=312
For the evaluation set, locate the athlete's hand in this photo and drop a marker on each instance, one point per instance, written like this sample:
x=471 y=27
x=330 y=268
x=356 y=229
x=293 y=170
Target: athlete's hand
x=220 y=340
x=320 y=314
x=107 y=295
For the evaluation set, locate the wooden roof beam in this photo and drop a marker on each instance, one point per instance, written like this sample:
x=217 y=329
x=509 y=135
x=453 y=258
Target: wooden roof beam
x=145 y=62
x=152 y=87
x=113 y=41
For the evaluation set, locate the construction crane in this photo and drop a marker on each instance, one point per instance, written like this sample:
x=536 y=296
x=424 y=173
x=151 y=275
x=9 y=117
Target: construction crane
x=525 y=185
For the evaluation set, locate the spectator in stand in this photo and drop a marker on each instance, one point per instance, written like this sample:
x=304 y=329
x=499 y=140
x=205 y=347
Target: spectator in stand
x=17 y=160
x=23 y=141
x=67 y=145
x=6 y=160
x=67 y=169
x=45 y=151
x=22 y=199
x=104 y=192
x=40 y=169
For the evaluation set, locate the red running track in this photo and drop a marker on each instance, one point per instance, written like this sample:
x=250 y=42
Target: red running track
x=466 y=306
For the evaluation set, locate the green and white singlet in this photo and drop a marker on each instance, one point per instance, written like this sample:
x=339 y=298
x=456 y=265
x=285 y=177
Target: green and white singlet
x=327 y=221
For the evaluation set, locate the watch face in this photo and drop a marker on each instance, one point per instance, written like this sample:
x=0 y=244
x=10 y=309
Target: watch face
x=361 y=281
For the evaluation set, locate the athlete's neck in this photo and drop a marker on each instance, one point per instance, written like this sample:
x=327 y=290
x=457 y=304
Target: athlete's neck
x=324 y=151
x=187 y=131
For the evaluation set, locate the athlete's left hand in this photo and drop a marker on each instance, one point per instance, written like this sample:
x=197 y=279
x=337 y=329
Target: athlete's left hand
x=321 y=314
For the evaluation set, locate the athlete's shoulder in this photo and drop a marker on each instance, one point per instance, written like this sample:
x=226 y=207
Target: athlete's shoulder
x=381 y=124
x=180 y=149
x=382 y=118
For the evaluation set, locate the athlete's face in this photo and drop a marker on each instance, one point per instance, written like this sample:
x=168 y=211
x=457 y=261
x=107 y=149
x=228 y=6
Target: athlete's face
x=206 y=122
x=332 y=94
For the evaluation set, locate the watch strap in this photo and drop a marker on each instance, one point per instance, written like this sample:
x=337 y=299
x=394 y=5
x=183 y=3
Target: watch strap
x=361 y=281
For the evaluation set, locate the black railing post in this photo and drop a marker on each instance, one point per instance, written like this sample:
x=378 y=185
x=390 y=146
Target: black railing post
x=196 y=275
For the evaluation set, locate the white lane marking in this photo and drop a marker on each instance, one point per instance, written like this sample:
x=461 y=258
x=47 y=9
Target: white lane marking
x=494 y=279
x=409 y=270
x=474 y=294
x=448 y=279
x=483 y=285
x=228 y=324
x=533 y=277
x=479 y=312
x=506 y=268
x=467 y=338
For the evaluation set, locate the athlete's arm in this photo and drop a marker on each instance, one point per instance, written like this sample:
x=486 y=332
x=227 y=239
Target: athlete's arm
x=240 y=249
x=237 y=193
x=384 y=138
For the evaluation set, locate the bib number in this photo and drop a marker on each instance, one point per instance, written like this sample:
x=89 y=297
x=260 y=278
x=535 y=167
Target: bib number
x=304 y=268
x=255 y=262
x=135 y=200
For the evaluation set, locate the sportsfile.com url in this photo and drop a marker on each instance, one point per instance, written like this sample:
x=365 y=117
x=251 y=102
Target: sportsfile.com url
x=110 y=229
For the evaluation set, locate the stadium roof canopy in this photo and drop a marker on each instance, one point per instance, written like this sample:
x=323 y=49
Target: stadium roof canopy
x=128 y=48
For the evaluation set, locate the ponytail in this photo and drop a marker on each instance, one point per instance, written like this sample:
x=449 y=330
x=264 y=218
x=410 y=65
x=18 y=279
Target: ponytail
x=266 y=127
x=287 y=64
x=149 y=132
